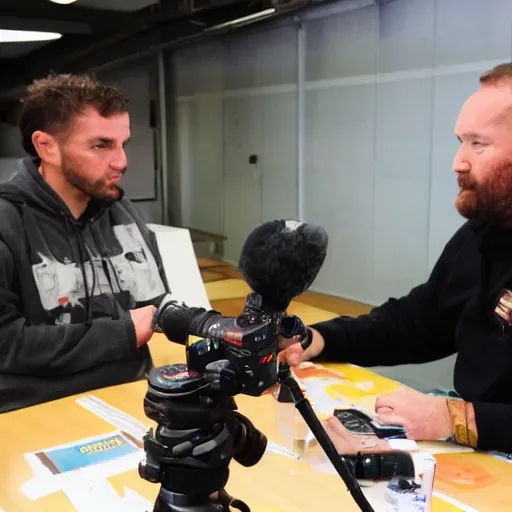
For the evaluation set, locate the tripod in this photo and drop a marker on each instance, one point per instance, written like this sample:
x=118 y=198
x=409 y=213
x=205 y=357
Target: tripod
x=199 y=431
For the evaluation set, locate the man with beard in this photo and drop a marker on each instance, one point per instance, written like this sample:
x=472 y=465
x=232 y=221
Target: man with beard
x=464 y=307
x=68 y=322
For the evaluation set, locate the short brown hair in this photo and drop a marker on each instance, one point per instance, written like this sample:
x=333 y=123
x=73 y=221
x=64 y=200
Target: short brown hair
x=51 y=103
x=499 y=73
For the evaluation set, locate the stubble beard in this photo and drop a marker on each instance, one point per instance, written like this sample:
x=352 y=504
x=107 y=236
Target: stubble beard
x=94 y=190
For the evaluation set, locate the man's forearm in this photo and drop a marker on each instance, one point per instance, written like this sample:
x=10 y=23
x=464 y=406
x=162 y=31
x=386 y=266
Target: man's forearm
x=64 y=349
x=400 y=331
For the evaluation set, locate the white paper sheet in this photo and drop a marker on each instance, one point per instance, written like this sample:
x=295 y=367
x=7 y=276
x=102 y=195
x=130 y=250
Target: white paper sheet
x=113 y=415
x=461 y=506
x=87 y=488
x=281 y=450
x=45 y=482
x=89 y=492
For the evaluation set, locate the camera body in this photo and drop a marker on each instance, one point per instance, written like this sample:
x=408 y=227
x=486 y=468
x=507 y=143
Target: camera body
x=236 y=354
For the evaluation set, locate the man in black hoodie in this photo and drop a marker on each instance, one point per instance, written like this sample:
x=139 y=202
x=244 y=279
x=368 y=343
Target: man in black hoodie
x=465 y=307
x=80 y=273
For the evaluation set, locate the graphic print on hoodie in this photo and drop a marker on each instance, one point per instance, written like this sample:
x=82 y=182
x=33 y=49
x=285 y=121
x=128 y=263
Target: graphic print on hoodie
x=62 y=283
x=66 y=288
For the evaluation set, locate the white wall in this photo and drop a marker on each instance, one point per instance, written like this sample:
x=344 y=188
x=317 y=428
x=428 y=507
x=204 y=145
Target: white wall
x=198 y=73
x=236 y=98
x=383 y=86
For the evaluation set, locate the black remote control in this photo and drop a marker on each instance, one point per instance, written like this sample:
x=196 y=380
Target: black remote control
x=357 y=422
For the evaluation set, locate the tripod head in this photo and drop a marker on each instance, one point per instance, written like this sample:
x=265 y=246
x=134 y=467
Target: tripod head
x=199 y=431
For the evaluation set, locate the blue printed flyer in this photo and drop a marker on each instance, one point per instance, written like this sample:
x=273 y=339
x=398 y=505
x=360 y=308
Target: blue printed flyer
x=87 y=452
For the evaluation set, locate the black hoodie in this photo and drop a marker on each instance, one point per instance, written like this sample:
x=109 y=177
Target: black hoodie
x=66 y=288
x=453 y=312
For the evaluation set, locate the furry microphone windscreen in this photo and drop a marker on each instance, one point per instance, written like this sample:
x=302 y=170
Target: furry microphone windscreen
x=281 y=258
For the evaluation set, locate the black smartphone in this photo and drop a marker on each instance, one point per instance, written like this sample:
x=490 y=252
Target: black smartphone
x=357 y=422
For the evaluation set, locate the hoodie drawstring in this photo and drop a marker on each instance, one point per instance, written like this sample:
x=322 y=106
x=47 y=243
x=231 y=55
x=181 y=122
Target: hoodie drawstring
x=115 y=314
x=81 y=243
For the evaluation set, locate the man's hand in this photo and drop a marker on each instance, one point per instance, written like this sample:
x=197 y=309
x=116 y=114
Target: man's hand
x=347 y=443
x=424 y=417
x=293 y=353
x=142 y=318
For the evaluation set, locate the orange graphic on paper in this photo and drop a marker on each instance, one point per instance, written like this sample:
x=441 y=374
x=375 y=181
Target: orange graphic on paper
x=475 y=479
x=345 y=385
x=464 y=476
x=314 y=371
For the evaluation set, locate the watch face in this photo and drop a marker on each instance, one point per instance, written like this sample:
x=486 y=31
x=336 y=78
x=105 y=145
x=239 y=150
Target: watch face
x=354 y=421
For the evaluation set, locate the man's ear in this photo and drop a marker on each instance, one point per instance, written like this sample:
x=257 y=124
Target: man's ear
x=47 y=147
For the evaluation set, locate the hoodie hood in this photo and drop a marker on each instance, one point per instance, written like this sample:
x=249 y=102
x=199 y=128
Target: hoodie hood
x=27 y=186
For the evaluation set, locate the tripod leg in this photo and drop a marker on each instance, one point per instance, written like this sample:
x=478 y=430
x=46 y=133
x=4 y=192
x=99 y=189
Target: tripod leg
x=306 y=411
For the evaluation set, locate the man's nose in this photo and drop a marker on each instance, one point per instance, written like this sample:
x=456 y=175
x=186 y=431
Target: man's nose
x=119 y=162
x=461 y=162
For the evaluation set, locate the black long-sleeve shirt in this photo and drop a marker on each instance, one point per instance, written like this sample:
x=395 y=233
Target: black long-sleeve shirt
x=452 y=312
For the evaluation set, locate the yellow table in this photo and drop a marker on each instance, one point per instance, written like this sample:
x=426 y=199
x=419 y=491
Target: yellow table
x=277 y=483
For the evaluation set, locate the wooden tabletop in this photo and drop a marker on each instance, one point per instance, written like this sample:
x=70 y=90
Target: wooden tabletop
x=276 y=484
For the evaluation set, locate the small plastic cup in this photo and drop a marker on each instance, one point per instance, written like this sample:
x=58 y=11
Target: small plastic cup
x=291 y=425
x=413 y=494
x=425 y=464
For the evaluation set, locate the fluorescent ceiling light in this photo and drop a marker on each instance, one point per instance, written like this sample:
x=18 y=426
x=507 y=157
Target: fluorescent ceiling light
x=21 y=36
x=244 y=19
x=63 y=2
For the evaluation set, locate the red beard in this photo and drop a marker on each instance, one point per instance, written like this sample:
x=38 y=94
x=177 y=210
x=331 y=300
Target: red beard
x=489 y=201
